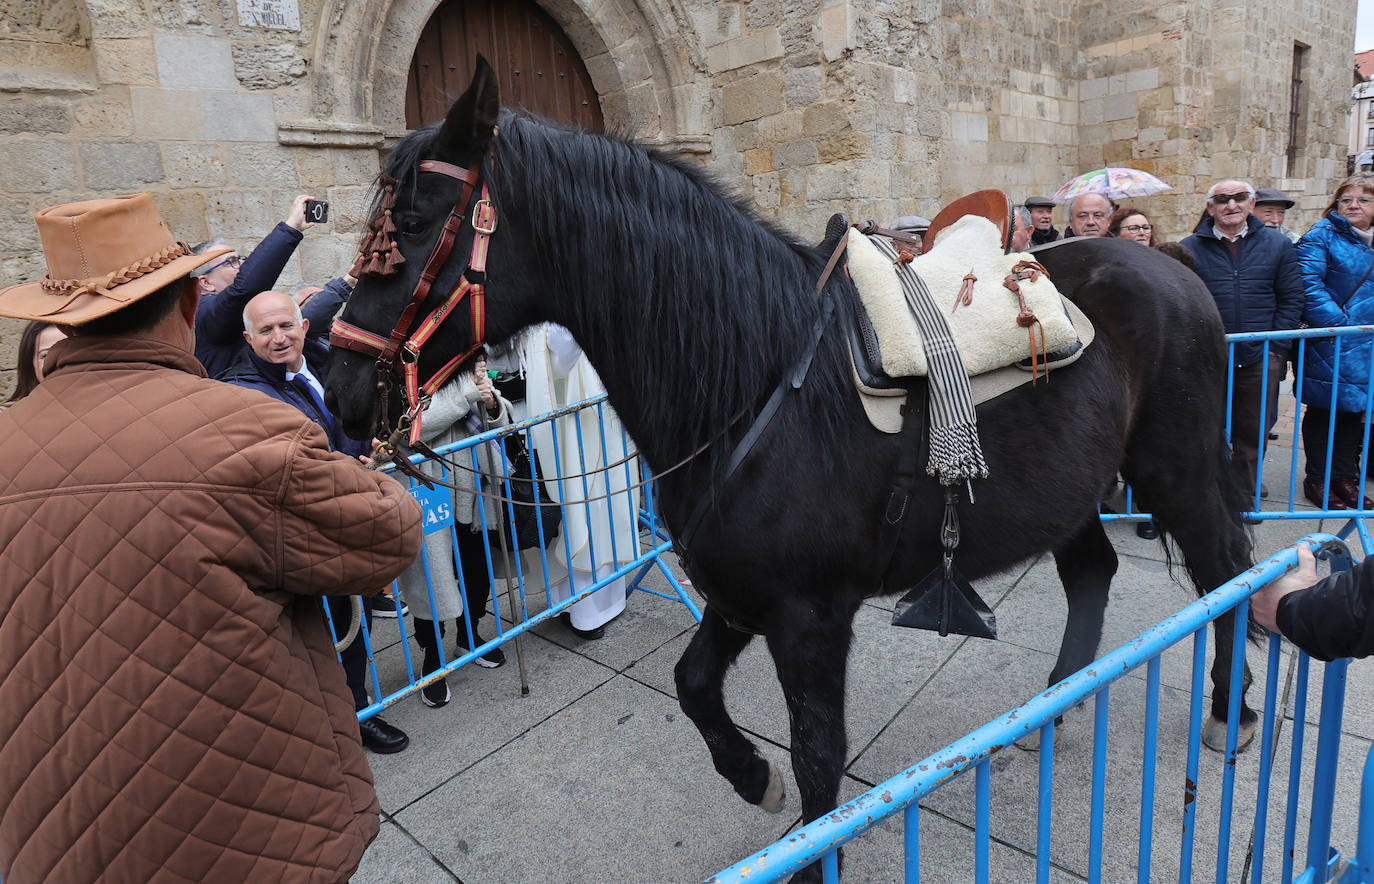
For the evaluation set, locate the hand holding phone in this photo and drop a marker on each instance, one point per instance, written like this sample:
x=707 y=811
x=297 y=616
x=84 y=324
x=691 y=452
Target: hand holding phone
x=316 y=211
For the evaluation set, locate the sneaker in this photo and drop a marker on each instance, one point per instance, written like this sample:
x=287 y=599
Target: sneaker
x=385 y=606
x=436 y=694
x=493 y=659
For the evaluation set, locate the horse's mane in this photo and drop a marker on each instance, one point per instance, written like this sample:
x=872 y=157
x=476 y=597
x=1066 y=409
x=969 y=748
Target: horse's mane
x=721 y=299
x=719 y=320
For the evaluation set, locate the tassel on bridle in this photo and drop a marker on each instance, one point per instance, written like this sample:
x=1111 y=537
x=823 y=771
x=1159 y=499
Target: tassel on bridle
x=378 y=253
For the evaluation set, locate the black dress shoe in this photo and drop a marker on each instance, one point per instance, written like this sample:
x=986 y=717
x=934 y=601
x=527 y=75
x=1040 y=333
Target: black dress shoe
x=1312 y=490
x=382 y=738
x=1147 y=530
x=590 y=635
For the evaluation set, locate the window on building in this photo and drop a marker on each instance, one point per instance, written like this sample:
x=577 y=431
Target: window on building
x=1369 y=110
x=1369 y=138
x=1297 y=110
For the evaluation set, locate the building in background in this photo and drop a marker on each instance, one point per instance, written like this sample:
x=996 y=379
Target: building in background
x=225 y=110
x=1361 y=156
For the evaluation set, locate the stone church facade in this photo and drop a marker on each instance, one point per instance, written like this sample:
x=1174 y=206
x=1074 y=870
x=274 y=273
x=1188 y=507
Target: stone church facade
x=224 y=110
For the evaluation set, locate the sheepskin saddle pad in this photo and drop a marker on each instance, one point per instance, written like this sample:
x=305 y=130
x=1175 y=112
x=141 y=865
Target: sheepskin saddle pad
x=1002 y=309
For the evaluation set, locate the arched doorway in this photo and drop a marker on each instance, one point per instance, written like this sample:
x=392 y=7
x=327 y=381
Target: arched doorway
x=536 y=65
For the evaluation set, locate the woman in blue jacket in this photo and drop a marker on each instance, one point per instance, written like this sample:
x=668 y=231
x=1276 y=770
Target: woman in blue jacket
x=1337 y=259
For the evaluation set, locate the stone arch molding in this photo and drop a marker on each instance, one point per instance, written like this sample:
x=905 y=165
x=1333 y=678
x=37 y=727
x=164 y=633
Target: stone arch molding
x=640 y=54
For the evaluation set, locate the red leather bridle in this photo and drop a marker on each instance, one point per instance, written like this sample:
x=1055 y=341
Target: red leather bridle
x=404 y=344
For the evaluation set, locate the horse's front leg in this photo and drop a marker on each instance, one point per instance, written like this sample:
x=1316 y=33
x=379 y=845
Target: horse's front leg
x=700 y=676
x=810 y=647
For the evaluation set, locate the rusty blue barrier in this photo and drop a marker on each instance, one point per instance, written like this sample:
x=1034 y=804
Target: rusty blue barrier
x=819 y=840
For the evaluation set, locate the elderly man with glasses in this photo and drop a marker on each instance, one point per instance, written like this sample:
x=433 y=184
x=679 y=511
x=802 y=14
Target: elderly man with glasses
x=1253 y=274
x=226 y=286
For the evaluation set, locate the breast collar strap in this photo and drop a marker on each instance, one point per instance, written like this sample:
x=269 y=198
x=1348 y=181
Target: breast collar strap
x=402 y=344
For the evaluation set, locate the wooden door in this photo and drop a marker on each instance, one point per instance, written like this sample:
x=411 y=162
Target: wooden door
x=536 y=65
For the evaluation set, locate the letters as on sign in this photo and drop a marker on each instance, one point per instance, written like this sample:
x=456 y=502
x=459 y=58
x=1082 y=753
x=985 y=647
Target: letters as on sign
x=437 y=505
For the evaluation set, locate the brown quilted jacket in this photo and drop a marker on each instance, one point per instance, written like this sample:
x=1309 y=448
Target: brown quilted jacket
x=171 y=708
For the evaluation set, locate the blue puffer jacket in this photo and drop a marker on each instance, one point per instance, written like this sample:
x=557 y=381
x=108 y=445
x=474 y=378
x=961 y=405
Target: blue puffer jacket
x=252 y=371
x=1260 y=292
x=1334 y=259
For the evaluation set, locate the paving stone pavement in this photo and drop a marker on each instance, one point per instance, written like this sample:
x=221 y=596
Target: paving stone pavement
x=596 y=776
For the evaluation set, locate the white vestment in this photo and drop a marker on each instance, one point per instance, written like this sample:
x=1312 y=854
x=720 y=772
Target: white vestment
x=598 y=536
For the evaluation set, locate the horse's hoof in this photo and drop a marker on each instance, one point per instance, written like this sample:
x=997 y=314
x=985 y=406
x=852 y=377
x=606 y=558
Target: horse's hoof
x=1214 y=734
x=1031 y=741
x=775 y=796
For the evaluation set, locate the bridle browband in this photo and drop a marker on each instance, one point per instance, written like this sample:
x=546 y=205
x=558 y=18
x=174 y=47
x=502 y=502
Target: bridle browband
x=403 y=344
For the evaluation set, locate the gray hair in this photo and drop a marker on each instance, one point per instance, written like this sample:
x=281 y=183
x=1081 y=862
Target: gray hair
x=295 y=309
x=203 y=247
x=1024 y=214
x=1249 y=188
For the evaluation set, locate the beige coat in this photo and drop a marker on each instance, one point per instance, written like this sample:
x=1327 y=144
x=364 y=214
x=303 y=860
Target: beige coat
x=171 y=708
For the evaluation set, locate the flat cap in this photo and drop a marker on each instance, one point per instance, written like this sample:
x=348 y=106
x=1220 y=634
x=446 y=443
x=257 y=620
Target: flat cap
x=1038 y=202
x=909 y=222
x=1270 y=195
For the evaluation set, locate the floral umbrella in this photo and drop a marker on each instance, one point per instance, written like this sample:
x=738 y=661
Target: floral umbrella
x=1111 y=182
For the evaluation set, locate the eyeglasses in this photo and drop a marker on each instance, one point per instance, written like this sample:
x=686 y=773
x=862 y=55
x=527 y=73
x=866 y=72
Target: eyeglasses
x=231 y=261
x=1346 y=202
x=1221 y=199
x=1139 y=228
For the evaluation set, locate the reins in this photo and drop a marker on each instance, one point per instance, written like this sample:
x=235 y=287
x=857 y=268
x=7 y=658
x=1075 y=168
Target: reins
x=434 y=456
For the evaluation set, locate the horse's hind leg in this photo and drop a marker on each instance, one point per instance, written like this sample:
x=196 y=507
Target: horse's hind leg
x=1215 y=549
x=1191 y=506
x=700 y=676
x=1087 y=563
x=810 y=646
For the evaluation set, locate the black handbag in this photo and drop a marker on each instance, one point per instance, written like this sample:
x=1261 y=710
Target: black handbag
x=531 y=501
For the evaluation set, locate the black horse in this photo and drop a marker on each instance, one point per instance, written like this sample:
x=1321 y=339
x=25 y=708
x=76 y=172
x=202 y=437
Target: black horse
x=691 y=308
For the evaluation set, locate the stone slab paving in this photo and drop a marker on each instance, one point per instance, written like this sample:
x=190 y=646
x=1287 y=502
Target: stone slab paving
x=595 y=775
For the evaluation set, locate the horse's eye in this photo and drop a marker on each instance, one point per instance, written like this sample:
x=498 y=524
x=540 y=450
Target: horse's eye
x=412 y=225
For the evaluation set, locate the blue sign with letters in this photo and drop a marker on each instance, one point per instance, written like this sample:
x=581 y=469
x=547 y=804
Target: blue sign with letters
x=437 y=505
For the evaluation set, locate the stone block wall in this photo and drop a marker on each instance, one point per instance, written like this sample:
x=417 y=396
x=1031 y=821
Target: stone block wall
x=180 y=100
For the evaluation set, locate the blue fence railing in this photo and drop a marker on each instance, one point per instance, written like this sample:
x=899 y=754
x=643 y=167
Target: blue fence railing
x=818 y=841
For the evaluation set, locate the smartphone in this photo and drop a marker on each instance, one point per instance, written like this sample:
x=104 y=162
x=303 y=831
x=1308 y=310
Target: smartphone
x=316 y=211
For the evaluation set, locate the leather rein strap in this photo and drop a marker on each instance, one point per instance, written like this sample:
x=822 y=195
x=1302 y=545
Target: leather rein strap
x=404 y=344
x=792 y=379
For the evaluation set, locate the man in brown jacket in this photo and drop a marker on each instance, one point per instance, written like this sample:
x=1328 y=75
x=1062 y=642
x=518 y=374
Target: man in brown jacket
x=170 y=704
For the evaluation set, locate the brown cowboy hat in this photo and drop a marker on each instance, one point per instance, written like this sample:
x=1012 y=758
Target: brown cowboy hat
x=102 y=255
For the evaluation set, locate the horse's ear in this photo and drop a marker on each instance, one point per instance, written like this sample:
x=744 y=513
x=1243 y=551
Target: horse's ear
x=471 y=121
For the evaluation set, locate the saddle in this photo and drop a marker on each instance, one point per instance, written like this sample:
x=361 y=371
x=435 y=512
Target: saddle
x=887 y=354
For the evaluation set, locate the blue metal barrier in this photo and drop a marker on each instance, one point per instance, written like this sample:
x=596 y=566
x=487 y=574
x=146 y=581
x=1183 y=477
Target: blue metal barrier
x=1354 y=518
x=820 y=839
x=525 y=575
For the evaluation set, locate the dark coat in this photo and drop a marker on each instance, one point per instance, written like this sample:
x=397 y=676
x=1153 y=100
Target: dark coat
x=1334 y=261
x=219 y=317
x=1260 y=291
x=1332 y=619
x=1040 y=237
x=252 y=371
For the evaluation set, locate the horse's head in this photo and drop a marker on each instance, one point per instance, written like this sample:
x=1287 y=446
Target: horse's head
x=419 y=309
